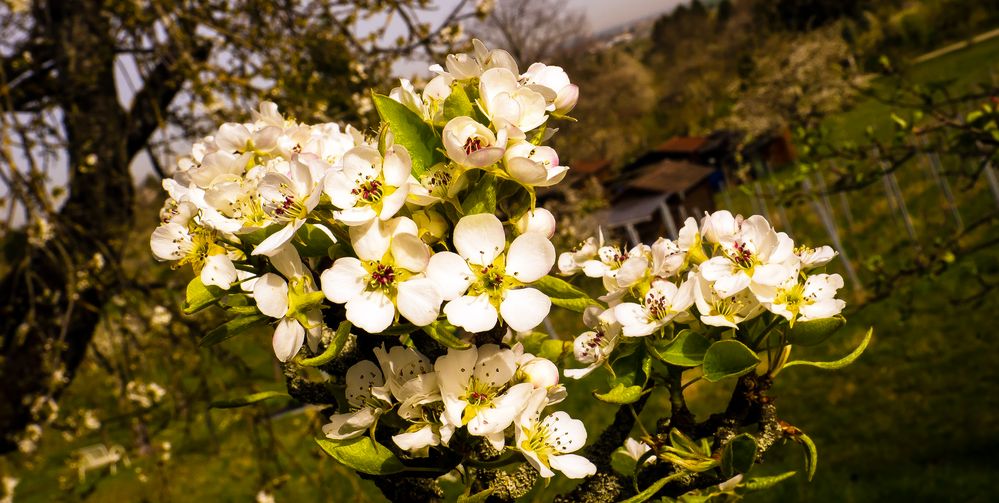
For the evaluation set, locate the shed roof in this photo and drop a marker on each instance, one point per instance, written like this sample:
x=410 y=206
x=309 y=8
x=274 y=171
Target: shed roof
x=669 y=177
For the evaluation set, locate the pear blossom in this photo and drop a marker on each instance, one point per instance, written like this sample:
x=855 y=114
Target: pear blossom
x=810 y=258
x=670 y=257
x=552 y=83
x=486 y=279
x=662 y=303
x=533 y=165
x=412 y=382
x=471 y=65
x=541 y=372
x=619 y=269
x=635 y=450
x=753 y=256
x=572 y=261
x=369 y=186
x=293 y=302
x=473 y=145
x=288 y=199
x=811 y=299
x=547 y=444
x=195 y=245
x=475 y=391
x=719 y=311
x=503 y=99
x=367 y=399
x=386 y=277
x=594 y=346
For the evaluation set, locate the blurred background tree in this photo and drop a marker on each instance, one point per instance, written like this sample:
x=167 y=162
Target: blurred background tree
x=94 y=90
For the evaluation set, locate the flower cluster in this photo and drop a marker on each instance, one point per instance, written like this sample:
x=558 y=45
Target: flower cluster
x=428 y=236
x=725 y=272
x=484 y=391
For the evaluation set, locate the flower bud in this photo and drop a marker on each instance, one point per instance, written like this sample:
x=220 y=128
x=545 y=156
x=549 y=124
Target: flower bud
x=540 y=372
x=539 y=220
x=432 y=225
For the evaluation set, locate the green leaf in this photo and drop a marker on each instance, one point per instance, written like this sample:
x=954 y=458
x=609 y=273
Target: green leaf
x=621 y=394
x=444 y=333
x=814 y=332
x=686 y=350
x=564 y=294
x=811 y=453
x=199 y=295
x=553 y=349
x=336 y=345
x=250 y=399
x=233 y=328
x=622 y=462
x=312 y=241
x=738 y=455
x=362 y=454
x=238 y=304
x=479 y=497
x=728 y=358
x=482 y=197
x=460 y=103
x=842 y=362
x=763 y=483
x=408 y=130
x=652 y=489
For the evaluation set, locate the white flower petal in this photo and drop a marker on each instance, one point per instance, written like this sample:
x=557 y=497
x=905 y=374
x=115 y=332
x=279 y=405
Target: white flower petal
x=524 y=308
x=370 y=240
x=289 y=336
x=479 y=238
x=419 y=301
x=360 y=379
x=271 y=293
x=530 y=257
x=343 y=281
x=573 y=466
x=371 y=311
x=411 y=441
x=273 y=243
x=450 y=273
x=219 y=271
x=474 y=314
x=410 y=252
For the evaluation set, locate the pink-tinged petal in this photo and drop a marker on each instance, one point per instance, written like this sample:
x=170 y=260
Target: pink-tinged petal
x=573 y=466
x=530 y=257
x=474 y=314
x=479 y=238
x=271 y=293
x=485 y=157
x=397 y=166
x=219 y=271
x=370 y=240
x=371 y=311
x=419 y=301
x=526 y=171
x=344 y=281
x=555 y=175
x=450 y=273
x=289 y=336
x=524 y=308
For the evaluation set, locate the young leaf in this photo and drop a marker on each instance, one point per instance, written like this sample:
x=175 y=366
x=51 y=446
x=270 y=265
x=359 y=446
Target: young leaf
x=199 y=295
x=408 y=130
x=461 y=104
x=362 y=454
x=334 y=348
x=686 y=350
x=728 y=358
x=814 y=332
x=479 y=497
x=444 y=333
x=564 y=294
x=250 y=399
x=811 y=453
x=738 y=455
x=652 y=489
x=482 y=197
x=762 y=483
x=842 y=362
x=621 y=394
x=233 y=328
x=312 y=241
